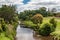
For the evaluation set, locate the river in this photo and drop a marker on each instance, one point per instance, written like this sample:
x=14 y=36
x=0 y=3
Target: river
x=27 y=34
x=24 y=34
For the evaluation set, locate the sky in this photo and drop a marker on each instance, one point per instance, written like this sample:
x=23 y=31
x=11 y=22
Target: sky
x=32 y=4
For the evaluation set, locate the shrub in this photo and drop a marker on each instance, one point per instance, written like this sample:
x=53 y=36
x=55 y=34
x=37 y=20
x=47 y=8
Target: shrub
x=56 y=34
x=3 y=37
x=54 y=24
x=0 y=28
x=45 y=30
x=29 y=24
x=38 y=18
x=4 y=27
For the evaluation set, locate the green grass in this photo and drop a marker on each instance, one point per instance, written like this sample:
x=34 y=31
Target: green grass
x=58 y=26
x=10 y=32
x=57 y=31
x=29 y=23
x=46 y=20
x=3 y=37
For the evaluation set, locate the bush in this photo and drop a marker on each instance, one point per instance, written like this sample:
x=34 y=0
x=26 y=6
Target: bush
x=3 y=37
x=4 y=27
x=29 y=24
x=45 y=30
x=56 y=34
x=0 y=28
x=52 y=21
x=38 y=18
x=54 y=24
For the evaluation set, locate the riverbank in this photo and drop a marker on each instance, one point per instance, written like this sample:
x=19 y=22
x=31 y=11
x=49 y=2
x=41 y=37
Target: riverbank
x=43 y=37
x=37 y=36
x=55 y=34
x=9 y=33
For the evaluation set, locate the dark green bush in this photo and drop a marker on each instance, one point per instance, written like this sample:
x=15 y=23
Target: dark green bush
x=4 y=27
x=53 y=22
x=45 y=30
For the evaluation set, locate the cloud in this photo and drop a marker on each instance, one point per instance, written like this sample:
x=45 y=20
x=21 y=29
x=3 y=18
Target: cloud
x=12 y=2
x=35 y=4
x=32 y=4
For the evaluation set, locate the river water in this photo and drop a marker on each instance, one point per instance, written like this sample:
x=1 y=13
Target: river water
x=24 y=34
x=27 y=34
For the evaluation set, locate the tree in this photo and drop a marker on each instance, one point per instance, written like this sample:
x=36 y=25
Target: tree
x=7 y=12
x=43 y=11
x=43 y=8
x=53 y=10
x=37 y=19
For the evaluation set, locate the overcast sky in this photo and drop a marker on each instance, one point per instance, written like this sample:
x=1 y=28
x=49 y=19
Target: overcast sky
x=32 y=4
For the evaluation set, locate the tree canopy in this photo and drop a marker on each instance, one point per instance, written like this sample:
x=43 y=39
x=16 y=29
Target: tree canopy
x=8 y=13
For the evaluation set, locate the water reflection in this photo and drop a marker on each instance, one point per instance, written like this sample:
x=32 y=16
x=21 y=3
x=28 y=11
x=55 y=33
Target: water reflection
x=27 y=34
x=24 y=34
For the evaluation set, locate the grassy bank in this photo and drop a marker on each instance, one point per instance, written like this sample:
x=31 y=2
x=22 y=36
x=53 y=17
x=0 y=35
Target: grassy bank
x=8 y=22
x=10 y=32
x=46 y=20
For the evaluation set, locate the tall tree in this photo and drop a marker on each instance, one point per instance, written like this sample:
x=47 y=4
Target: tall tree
x=7 y=12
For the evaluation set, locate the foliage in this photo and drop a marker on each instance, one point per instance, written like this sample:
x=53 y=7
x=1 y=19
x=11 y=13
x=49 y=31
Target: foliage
x=45 y=30
x=57 y=14
x=27 y=14
x=3 y=37
x=7 y=12
x=38 y=18
x=29 y=24
x=8 y=22
x=52 y=21
x=56 y=34
x=33 y=26
x=0 y=28
x=2 y=25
